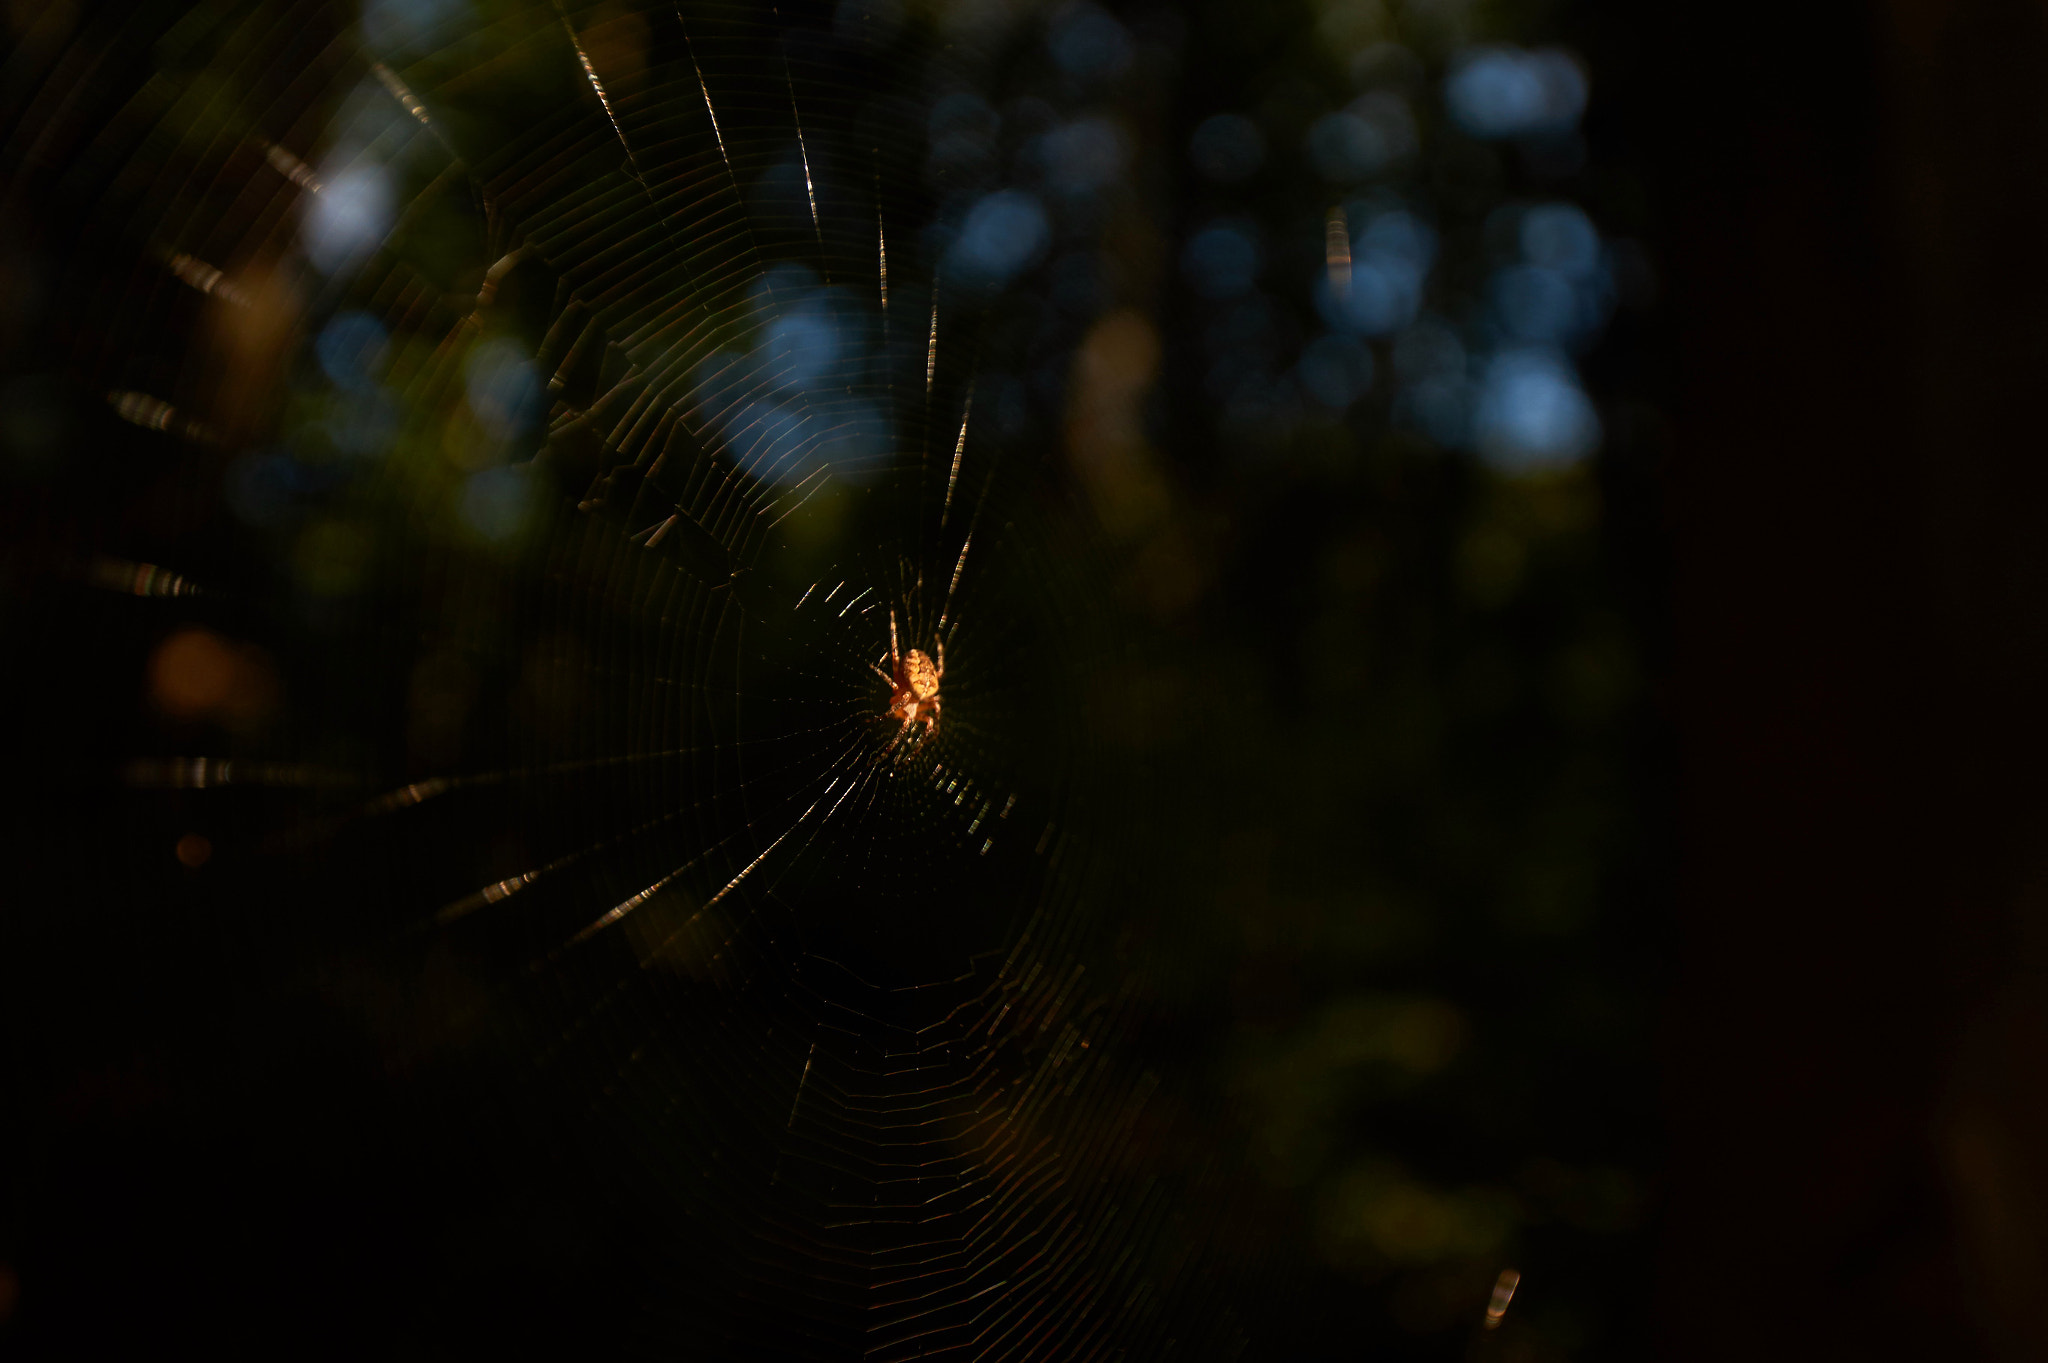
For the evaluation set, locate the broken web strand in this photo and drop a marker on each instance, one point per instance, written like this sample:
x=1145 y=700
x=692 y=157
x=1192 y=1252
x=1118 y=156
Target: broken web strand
x=797 y=118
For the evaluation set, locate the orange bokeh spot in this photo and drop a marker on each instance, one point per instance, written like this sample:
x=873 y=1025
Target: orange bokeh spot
x=193 y=673
x=197 y=674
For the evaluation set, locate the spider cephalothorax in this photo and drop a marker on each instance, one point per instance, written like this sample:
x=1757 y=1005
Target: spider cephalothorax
x=913 y=683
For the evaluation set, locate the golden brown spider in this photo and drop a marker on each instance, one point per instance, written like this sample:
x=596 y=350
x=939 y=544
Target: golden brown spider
x=913 y=683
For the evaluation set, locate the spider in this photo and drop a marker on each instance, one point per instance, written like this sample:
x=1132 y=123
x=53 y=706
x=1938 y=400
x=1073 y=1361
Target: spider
x=913 y=683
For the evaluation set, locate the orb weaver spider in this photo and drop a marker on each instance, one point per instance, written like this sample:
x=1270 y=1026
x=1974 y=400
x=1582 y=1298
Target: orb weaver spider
x=913 y=683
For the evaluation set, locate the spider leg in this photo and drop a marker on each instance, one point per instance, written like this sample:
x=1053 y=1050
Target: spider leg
x=908 y=720
x=895 y=659
x=942 y=655
x=883 y=675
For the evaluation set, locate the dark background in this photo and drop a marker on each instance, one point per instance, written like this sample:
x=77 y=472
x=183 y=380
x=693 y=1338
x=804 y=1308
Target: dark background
x=1855 y=1162
x=1776 y=1093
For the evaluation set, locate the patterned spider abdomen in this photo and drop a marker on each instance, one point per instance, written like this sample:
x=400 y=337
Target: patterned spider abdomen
x=922 y=676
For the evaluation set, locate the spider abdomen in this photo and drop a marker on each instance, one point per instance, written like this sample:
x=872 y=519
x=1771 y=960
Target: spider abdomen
x=920 y=675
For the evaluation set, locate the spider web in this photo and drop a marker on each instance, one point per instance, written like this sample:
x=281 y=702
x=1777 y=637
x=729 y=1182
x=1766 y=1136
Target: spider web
x=837 y=999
